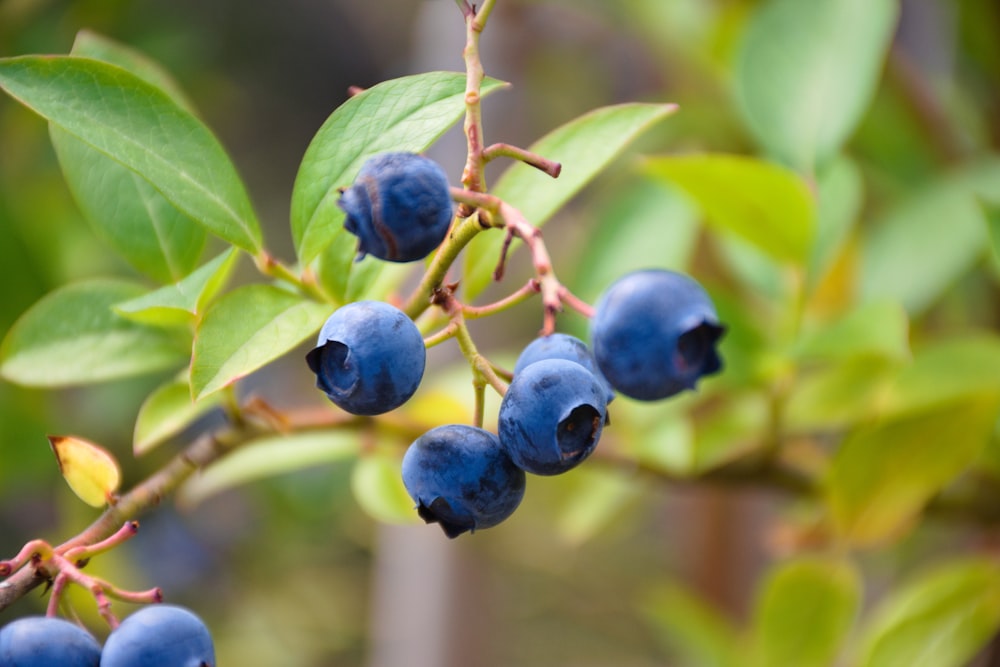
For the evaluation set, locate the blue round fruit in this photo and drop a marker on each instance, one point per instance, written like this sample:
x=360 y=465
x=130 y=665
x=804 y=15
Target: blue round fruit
x=369 y=358
x=42 y=641
x=552 y=416
x=399 y=207
x=654 y=334
x=561 y=346
x=160 y=635
x=461 y=478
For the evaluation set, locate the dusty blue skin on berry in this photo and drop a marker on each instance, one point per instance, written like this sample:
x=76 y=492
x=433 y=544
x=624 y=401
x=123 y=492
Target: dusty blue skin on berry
x=562 y=346
x=39 y=641
x=399 y=207
x=369 y=358
x=160 y=635
x=552 y=416
x=654 y=334
x=461 y=478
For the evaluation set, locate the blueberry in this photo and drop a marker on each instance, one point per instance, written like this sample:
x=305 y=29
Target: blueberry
x=654 y=334
x=562 y=346
x=369 y=358
x=460 y=477
x=160 y=635
x=552 y=416
x=41 y=641
x=399 y=207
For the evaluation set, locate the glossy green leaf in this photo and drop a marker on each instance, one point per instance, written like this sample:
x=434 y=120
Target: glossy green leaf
x=405 y=114
x=247 y=328
x=921 y=246
x=140 y=126
x=269 y=457
x=377 y=484
x=90 y=44
x=691 y=631
x=72 y=336
x=584 y=147
x=882 y=474
x=804 y=611
x=876 y=329
x=182 y=302
x=762 y=203
x=166 y=412
x=122 y=208
x=806 y=72
x=941 y=619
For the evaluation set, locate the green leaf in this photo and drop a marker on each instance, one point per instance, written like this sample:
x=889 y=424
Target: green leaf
x=89 y=44
x=166 y=412
x=804 y=612
x=763 y=203
x=689 y=629
x=269 y=457
x=140 y=126
x=806 y=71
x=876 y=329
x=883 y=474
x=584 y=147
x=182 y=302
x=941 y=619
x=72 y=336
x=122 y=208
x=839 y=395
x=598 y=496
x=648 y=224
x=405 y=114
x=247 y=328
x=840 y=193
x=921 y=246
x=377 y=484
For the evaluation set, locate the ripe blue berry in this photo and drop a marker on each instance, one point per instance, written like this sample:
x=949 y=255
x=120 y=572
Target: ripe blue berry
x=561 y=346
x=40 y=641
x=369 y=358
x=460 y=477
x=399 y=207
x=159 y=635
x=654 y=334
x=552 y=416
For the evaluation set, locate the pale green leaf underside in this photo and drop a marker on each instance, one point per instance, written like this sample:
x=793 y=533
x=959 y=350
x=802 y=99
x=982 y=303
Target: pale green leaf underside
x=405 y=114
x=140 y=126
x=378 y=488
x=166 y=412
x=584 y=147
x=72 y=336
x=246 y=329
x=269 y=457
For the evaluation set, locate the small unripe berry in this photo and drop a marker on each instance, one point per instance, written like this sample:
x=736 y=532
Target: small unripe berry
x=654 y=334
x=369 y=358
x=399 y=207
x=461 y=478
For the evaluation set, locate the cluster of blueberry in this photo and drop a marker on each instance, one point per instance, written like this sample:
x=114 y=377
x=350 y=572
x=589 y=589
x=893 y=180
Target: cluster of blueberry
x=159 y=635
x=654 y=334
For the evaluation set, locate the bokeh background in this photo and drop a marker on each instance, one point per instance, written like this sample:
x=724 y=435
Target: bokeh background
x=290 y=570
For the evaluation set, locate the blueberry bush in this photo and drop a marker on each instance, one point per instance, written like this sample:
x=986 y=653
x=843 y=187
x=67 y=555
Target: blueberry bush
x=737 y=406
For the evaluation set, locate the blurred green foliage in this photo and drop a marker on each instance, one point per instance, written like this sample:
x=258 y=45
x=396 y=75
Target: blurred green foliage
x=832 y=175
